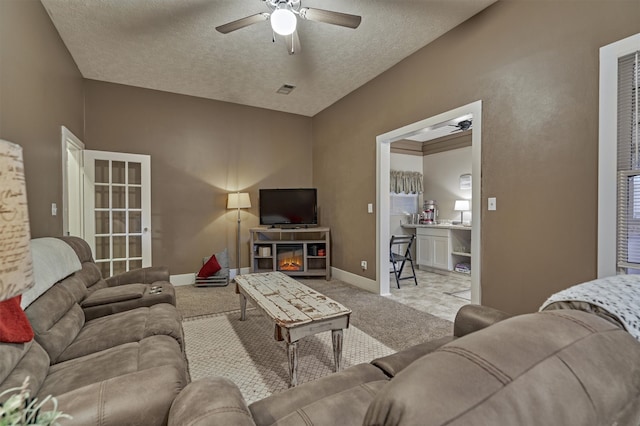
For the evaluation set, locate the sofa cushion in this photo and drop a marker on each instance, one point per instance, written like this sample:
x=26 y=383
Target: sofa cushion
x=154 y=351
x=140 y=398
x=89 y=272
x=125 y=327
x=523 y=370
x=394 y=363
x=14 y=327
x=342 y=408
x=19 y=361
x=278 y=406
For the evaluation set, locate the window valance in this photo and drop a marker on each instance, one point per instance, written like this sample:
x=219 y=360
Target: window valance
x=406 y=182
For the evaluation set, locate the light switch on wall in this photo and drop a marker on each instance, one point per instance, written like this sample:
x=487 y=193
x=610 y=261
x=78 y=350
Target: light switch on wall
x=370 y=208
x=54 y=209
x=492 y=203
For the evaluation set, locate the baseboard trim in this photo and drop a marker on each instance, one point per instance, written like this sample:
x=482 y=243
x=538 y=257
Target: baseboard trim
x=182 y=279
x=356 y=280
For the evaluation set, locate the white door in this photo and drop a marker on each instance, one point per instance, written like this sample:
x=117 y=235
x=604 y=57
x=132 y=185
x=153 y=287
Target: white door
x=117 y=208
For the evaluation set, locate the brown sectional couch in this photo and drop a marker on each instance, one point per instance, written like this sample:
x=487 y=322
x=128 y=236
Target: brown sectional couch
x=562 y=367
x=550 y=368
x=113 y=369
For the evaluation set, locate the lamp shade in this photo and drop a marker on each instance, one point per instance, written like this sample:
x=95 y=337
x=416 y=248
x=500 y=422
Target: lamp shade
x=238 y=200
x=461 y=206
x=16 y=269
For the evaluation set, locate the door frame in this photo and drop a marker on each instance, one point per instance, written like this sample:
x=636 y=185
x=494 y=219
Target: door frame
x=383 y=159
x=71 y=143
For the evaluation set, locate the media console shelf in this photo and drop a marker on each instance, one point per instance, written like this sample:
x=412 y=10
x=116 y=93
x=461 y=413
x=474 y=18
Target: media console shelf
x=293 y=251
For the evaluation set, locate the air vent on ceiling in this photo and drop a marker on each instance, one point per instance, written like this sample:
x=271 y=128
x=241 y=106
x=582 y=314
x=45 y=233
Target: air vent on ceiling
x=285 y=89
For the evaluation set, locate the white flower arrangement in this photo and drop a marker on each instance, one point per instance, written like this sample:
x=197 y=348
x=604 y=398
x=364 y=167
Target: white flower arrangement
x=19 y=409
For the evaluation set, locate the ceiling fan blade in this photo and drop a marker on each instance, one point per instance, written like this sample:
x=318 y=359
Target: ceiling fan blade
x=329 y=17
x=243 y=22
x=293 y=43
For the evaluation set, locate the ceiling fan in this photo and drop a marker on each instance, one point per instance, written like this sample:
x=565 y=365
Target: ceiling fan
x=284 y=18
x=462 y=126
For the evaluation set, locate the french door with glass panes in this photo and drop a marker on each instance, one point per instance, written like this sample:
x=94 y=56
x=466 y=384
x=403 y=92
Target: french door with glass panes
x=117 y=196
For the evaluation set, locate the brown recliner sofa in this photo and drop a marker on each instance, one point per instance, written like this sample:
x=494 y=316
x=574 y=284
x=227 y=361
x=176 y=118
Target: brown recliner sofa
x=121 y=292
x=550 y=368
x=115 y=369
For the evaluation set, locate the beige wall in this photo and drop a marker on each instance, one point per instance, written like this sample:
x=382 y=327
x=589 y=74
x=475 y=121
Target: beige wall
x=533 y=64
x=200 y=150
x=442 y=181
x=535 y=67
x=40 y=90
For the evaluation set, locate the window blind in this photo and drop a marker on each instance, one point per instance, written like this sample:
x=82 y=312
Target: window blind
x=628 y=176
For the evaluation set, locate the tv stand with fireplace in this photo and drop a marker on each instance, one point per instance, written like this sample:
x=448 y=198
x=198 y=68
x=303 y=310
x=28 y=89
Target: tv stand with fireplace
x=293 y=251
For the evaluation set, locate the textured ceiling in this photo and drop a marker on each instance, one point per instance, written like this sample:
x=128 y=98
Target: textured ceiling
x=172 y=45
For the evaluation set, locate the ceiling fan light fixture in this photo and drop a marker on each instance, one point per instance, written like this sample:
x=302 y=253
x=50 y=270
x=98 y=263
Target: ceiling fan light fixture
x=283 y=21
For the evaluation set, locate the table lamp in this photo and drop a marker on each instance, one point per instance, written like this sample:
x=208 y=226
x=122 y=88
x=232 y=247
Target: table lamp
x=461 y=206
x=238 y=200
x=16 y=270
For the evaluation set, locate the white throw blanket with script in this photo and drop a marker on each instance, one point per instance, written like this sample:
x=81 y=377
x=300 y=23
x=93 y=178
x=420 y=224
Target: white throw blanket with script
x=618 y=294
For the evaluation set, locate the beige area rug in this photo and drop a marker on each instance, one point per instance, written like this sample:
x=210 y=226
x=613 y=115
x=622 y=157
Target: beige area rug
x=246 y=352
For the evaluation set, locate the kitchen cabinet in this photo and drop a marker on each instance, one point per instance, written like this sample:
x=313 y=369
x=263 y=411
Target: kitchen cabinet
x=442 y=246
x=433 y=248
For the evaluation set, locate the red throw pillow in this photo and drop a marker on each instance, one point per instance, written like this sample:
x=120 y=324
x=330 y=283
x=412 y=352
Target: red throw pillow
x=211 y=267
x=14 y=326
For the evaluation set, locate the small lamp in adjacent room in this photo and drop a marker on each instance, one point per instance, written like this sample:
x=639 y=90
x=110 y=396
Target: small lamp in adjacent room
x=461 y=206
x=238 y=200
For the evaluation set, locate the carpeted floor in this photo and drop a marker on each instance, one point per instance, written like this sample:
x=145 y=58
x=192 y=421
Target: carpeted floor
x=393 y=324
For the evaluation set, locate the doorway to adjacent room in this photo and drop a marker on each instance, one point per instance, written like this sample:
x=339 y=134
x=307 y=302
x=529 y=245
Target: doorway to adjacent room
x=383 y=144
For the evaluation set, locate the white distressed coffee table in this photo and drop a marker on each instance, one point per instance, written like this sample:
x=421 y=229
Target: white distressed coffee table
x=296 y=310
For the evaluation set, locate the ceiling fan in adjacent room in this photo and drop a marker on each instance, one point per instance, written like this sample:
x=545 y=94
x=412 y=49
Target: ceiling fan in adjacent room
x=284 y=18
x=462 y=126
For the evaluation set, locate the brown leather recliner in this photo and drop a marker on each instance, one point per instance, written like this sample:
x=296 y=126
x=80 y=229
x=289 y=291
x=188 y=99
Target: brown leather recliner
x=121 y=292
x=565 y=368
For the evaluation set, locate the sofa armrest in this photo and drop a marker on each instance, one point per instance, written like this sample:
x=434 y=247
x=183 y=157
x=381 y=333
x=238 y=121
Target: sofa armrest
x=147 y=275
x=472 y=318
x=210 y=401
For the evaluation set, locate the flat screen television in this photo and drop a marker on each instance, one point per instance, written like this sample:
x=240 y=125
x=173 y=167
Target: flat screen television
x=289 y=207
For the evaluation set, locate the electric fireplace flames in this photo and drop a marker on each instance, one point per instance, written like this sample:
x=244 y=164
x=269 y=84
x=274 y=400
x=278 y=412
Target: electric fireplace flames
x=290 y=258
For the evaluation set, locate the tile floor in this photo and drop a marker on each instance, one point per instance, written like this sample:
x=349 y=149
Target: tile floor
x=439 y=295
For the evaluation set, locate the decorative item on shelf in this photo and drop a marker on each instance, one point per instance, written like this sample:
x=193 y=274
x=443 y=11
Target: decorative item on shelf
x=465 y=181
x=264 y=251
x=322 y=252
x=461 y=206
x=463 y=268
x=238 y=200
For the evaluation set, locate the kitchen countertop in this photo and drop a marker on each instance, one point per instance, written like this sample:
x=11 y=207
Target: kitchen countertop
x=436 y=226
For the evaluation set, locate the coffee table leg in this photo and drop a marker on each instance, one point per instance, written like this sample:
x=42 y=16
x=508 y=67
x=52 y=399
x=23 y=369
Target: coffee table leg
x=336 y=339
x=292 y=356
x=243 y=307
